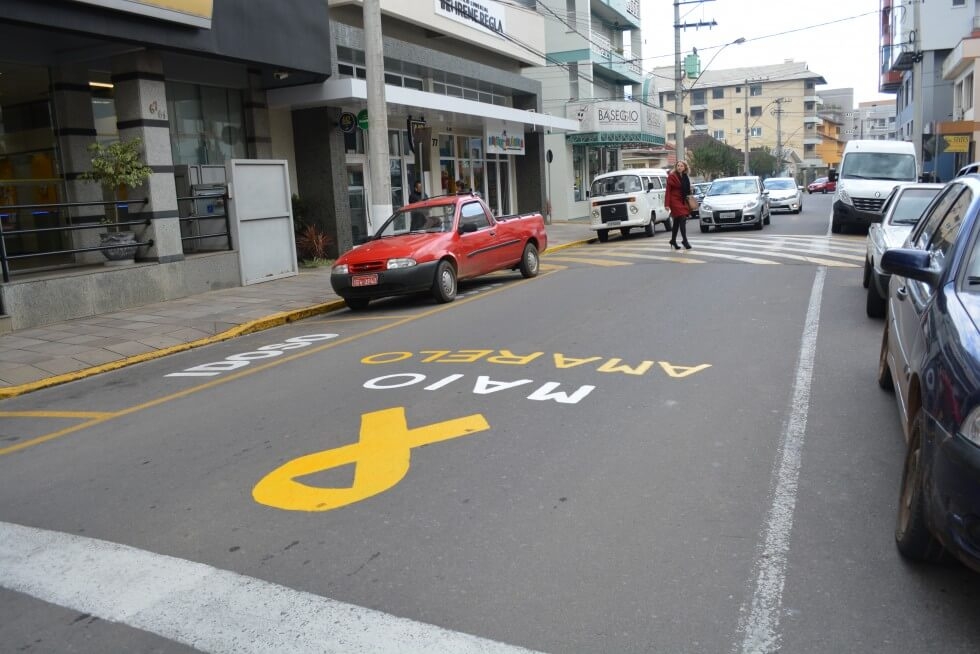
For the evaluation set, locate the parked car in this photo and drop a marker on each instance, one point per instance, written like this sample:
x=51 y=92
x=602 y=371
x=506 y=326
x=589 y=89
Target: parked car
x=427 y=246
x=930 y=356
x=734 y=202
x=969 y=169
x=902 y=209
x=821 y=185
x=784 y=194
x=624 y=199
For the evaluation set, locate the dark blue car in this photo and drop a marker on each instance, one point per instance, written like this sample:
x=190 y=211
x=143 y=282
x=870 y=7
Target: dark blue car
x=930 y=355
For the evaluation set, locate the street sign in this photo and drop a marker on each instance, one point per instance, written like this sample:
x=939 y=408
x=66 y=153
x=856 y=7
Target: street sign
x=956 y=143
x=348 y=122
x=362 y=119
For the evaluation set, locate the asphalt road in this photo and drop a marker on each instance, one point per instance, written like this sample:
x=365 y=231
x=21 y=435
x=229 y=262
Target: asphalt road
x=637 y=451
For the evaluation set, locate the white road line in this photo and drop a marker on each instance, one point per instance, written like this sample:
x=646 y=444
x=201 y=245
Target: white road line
x=759 y=623
x=207 y=608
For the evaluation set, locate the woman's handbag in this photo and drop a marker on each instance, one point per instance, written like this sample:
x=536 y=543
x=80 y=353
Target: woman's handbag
x=692 y=203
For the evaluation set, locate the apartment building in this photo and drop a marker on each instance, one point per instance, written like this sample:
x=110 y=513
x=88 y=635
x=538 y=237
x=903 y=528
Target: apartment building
x=916 y=40
x=772 y=107
x=959 y=135
x=594 y=76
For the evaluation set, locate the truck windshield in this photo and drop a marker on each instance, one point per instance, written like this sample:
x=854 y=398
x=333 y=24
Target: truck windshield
x=423 y=219
x=616 y=184
x=879 y=165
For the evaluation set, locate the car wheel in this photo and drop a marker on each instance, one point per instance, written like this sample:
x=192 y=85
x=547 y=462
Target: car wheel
x=704 y=229
x=912 y=535
x=835 y=227
x=867 y=273
x=356 y=303
x=444 y=285
x=603 y=235
x=875 y=305
x=529 y=261
x=649 y=229
x=762 y=223
x=625 y=231
x=824 y=191
x=768 y=218
x=884 y=371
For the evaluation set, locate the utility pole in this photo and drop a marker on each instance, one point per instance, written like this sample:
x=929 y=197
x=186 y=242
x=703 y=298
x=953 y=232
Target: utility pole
x=377 y=106
x=778 y=112
x=678 y=87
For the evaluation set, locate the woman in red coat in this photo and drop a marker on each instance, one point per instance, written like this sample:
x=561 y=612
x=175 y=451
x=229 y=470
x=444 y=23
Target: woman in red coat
x=678 y=188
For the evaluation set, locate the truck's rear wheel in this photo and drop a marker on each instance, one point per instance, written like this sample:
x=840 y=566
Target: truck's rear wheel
x=530 y=261
x=650 y=228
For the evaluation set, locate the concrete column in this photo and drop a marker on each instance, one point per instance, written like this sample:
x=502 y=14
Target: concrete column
x=321 y=173
x=71 y=99
x=141 y=112
x=257 y=131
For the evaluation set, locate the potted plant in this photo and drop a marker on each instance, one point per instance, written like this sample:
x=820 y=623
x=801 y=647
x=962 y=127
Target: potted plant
x=117 y=167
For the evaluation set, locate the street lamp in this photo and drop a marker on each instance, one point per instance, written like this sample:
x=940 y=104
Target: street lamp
x=679 y=91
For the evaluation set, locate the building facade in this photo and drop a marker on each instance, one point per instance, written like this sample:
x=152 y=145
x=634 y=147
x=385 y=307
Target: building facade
x=774 y=107
x=959 y=136
x=191 y=84
x=916 y=40
x=593 y=75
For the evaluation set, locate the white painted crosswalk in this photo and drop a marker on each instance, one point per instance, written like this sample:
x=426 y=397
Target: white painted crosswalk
x=207 y=608
x=755 y=249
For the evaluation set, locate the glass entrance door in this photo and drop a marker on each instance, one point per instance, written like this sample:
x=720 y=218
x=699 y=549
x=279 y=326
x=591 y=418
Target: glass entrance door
x=358 y=201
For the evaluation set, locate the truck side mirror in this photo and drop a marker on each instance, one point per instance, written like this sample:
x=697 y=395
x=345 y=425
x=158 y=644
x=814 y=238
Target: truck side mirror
x=831 y=175
x=649 y=186
x=466 y=228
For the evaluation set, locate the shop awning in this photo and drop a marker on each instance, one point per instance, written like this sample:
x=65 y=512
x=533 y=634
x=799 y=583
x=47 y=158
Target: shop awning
x=349 y=92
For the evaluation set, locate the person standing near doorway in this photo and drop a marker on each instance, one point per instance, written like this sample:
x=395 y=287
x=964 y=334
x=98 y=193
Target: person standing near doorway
x=416 y=194
x=678 y=189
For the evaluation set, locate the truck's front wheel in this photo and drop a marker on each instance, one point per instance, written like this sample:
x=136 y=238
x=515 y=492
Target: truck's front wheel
x=444 y=285
x=603 y=235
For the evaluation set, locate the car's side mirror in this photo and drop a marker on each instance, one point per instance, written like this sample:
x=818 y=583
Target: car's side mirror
x=649 y=187
x=467 y=228
x=912 y=263
x=588 y=194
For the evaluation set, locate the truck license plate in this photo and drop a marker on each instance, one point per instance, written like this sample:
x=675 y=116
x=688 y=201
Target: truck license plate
x=613 y=223
x=364 y=280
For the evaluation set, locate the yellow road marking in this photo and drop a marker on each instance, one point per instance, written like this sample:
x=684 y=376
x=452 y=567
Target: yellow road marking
x=54 y=414
x=381 y=456
x=245 y=372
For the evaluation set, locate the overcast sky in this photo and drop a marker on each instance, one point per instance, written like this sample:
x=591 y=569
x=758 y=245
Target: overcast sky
x=836 y=39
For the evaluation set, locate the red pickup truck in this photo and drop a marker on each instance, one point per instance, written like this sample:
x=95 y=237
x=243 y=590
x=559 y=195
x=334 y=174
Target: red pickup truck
x=427 y=246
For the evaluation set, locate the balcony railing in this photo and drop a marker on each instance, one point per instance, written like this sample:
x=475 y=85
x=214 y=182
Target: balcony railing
x=606 y=54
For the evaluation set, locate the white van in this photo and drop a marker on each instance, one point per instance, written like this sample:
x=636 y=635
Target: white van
x=623 y=199
x=869 y=170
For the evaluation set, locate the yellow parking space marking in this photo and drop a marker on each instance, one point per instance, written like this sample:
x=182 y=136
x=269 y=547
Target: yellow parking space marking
x=594 y=262
x=381 y=456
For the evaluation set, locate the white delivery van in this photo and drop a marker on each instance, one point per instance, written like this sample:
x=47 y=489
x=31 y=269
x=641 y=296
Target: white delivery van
x=869 y=170
x=624 y=199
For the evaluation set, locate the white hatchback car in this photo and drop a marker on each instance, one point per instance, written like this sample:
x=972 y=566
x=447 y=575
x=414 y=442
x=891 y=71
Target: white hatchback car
x=627 y=199
x=901 y=211
x=784 y=194
x=735 y=202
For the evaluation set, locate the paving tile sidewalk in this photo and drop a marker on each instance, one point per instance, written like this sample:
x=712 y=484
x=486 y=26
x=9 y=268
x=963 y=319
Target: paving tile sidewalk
x=36 y=358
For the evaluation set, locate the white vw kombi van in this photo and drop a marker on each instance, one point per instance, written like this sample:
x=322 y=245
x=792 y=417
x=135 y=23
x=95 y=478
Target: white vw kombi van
x=624 y=199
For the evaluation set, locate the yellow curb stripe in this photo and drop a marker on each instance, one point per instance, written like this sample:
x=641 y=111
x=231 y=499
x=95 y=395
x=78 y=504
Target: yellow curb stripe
x=595 y=262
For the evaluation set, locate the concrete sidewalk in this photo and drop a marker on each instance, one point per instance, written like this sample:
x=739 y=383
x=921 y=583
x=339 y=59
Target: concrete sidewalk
x=36 y=358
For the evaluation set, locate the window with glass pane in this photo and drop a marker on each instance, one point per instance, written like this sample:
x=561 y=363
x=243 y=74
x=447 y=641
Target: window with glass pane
x=446 y=148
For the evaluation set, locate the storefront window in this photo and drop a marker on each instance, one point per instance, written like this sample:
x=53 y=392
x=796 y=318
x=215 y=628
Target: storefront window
x=578 y=173
x=206 y=124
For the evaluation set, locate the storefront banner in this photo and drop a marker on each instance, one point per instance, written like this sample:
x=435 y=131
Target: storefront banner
x=502 y=137
x=484 y=15
x=189 y=12
x=618 y=116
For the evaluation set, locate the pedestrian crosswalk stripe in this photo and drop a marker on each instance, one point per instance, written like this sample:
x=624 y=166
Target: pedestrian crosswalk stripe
x=594 y=262
x=783 y=255
x=203 y=607
x=850 y=254
x=692 y=258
